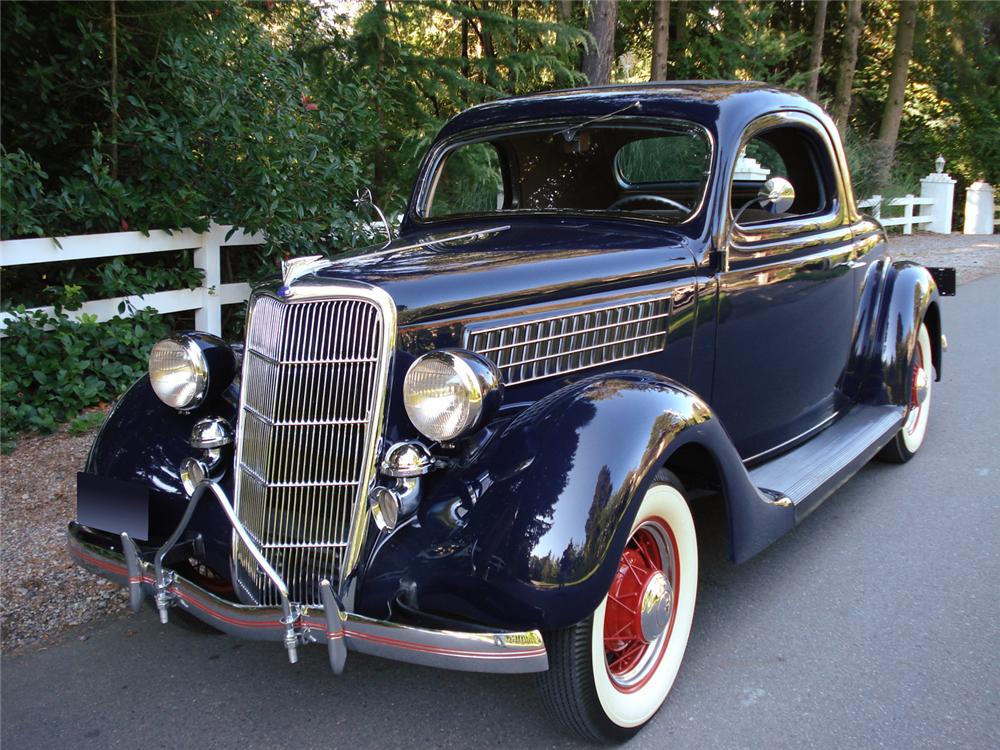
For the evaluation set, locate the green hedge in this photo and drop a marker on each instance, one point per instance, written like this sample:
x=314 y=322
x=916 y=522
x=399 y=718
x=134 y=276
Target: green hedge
x=53 y=366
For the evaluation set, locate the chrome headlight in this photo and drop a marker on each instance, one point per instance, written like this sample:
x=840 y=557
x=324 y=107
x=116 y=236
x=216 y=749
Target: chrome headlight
x=178 y=372
x=449 y=392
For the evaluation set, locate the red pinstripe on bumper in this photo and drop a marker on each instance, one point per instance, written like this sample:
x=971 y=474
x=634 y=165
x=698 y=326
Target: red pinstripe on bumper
x=508 y=652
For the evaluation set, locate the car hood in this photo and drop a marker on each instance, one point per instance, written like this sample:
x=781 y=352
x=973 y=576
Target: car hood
x=470 y=268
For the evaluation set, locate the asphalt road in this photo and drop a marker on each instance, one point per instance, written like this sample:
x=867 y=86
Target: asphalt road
x=874 y=624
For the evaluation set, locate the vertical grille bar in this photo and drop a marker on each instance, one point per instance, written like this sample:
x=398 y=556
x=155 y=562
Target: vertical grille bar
x=311 y=404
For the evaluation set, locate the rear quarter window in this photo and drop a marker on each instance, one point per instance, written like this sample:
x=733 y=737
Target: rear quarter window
x=661 y=159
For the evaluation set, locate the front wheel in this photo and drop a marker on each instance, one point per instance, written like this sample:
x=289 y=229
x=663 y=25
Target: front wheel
x=910 y=437
x=610 y=673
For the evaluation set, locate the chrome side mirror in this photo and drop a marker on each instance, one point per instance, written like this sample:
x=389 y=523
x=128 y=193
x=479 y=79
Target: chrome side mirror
x=776 y=195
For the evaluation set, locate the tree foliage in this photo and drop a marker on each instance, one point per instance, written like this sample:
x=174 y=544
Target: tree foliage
x=270 y=114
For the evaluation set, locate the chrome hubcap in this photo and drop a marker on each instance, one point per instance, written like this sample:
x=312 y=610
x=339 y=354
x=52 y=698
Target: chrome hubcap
x=654 y=607
x=919 y=385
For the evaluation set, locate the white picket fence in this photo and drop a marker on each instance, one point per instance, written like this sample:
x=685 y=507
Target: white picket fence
x=908 y=220
x=206 y=300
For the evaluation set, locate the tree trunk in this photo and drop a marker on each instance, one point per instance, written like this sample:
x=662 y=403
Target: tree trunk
x=889 y=129
x=680 y=40
x=597 y=62
x=380 y=33
x=661 y=40
x=848 y=62
x=816 y=57
x=114 y=90
x=564 y=11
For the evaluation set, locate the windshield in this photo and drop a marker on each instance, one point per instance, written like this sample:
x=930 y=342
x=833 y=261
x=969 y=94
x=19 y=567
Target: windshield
x=654 y=172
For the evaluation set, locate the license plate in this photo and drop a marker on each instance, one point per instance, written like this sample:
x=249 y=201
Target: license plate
x=945 y=280
x=112 y=505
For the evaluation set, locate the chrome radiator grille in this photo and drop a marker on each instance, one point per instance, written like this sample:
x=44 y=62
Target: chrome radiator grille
x=313 y=387
x=543 y=347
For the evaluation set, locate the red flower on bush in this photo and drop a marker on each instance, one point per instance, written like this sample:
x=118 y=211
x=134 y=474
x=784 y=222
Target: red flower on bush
x=308 y=102
x=124 y=225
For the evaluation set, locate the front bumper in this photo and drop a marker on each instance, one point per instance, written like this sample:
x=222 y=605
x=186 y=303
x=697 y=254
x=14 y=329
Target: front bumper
x=503 y=652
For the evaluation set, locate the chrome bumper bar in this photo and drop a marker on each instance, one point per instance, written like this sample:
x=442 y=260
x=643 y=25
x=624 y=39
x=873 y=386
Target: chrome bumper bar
x=504 y=652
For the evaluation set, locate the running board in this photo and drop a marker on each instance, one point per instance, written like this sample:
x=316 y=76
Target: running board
x=811 y=472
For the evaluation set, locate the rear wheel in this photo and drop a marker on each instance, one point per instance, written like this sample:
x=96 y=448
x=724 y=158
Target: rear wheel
x=609 y=674
x=910 y=437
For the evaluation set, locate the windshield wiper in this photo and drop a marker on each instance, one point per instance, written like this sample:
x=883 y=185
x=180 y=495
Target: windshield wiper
x=573 y=131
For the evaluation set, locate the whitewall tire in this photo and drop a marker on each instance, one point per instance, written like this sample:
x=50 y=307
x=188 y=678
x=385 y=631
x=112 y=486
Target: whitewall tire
x=911 y=435
x=610 y=674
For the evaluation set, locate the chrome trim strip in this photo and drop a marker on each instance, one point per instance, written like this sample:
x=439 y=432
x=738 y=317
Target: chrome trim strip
x=800 y=436
x=499 y=651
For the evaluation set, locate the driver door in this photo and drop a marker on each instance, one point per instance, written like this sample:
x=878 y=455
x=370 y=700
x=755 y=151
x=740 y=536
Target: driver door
x=786 y=294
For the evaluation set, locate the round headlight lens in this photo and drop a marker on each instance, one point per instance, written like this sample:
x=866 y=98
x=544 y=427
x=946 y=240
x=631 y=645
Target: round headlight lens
x=178 y=372
x=445 y=392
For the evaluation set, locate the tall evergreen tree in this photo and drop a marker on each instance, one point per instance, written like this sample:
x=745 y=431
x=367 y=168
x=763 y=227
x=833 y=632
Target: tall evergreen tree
x=661 y=40
x=893 y=112
x=816 y=54
x=598 y=61
x=848 y=63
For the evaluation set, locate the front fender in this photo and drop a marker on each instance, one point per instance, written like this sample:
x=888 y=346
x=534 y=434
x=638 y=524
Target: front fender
x=143 y=441
x=539 y=519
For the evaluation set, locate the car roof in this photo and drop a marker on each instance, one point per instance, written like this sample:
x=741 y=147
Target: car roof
x=704 y=102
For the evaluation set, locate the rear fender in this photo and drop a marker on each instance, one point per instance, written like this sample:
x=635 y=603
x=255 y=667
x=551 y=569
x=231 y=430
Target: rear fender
x=896 y=299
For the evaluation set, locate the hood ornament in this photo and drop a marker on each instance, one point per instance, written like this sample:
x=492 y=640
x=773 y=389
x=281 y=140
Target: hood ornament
x=295 y=268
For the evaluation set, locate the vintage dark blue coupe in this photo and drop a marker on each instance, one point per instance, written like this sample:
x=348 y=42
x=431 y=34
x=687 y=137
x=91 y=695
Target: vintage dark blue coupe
x=477 y=445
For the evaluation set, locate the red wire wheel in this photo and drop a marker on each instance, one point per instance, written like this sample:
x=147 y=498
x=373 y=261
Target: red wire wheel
x=640 y=610
x=918 y=386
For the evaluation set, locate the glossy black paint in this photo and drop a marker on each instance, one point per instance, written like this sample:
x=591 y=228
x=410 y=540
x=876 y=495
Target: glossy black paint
x=437 y=281
x=526 y=533
x=526 y=521
x=143 y=441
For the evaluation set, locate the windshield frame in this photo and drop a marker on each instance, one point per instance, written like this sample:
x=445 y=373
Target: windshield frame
x=434 y=162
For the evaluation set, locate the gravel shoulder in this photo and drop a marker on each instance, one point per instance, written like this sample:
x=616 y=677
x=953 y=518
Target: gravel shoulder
x=972 y=256
x=43 y=594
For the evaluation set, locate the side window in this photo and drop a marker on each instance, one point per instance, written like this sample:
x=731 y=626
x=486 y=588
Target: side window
x=470 y=182
x=792 y=152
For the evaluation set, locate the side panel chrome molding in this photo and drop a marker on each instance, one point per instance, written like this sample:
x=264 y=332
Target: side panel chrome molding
x=500 y=652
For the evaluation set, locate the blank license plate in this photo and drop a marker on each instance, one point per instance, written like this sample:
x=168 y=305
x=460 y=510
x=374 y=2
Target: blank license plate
x=112 y=505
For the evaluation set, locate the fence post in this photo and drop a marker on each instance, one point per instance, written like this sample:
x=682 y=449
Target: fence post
x=748 y=168
x=208 y=317
x=939 y=187
x=978 y=208
x=908 y=215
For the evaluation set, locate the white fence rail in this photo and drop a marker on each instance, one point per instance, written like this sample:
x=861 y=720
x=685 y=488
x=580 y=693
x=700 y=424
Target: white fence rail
x=206 y=300
x=908 y=220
